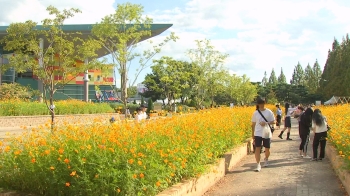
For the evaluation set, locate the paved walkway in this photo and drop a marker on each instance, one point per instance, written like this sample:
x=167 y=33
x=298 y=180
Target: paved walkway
x=288 y=174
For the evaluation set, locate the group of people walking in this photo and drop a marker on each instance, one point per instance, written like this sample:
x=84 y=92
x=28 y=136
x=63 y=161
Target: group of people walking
x=263 y=125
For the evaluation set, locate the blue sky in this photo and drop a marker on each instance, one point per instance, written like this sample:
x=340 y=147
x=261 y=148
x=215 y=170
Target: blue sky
x=257 y=35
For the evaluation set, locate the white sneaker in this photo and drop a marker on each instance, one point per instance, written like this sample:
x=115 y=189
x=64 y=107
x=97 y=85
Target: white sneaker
x=307 y=157
x=266 y=162
x=258 y=167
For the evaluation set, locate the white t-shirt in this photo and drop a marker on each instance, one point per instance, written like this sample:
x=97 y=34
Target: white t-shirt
x=320 y=129
x=290 y=111
x=257 y=118
x=143 y=116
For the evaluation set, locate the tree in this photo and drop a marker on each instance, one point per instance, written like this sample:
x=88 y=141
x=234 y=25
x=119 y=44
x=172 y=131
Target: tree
x=298 y=75
x=335 y=78
x=132 y=91
x=282 y=78
x=241 y=89
x=120 y=33
x=271 y=97
x=317 y=73
x=168 y=79
x=264 y=80
x=57 y=64
x=209 y=66
x=309 y=78
x=272 y=79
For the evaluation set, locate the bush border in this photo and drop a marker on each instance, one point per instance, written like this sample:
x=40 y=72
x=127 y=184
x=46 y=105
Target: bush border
x=199 y=186
x=338 y=166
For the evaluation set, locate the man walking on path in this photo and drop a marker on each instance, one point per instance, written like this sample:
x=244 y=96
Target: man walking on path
x=262 y=121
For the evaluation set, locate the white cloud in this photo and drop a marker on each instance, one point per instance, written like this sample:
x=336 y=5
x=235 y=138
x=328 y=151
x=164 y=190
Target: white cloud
x=22 y=10
x=265 y=34
x=258 y=35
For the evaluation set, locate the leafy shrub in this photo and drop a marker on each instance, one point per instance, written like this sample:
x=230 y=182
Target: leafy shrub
x=119 y=158
x=120 y=107
x=27 y=108
x=15 y=91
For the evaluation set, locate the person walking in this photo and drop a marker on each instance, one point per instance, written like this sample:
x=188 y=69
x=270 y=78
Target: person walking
x=262 y=120
x=287 y=121
x=305 y=125
x=278 y=116
x=319 y=127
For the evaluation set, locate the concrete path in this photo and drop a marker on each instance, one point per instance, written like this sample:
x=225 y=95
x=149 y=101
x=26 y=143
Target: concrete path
x=288 y=174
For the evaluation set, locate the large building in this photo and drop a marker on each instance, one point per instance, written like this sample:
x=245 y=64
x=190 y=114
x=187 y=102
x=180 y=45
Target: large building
x=74 y=89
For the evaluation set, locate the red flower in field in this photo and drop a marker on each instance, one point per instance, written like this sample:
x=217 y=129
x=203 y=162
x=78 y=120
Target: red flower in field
x=60 y=151
x=33 y=160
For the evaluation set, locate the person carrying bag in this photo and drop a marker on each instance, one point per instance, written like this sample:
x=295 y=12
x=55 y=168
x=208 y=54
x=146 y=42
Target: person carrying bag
x=262 y=120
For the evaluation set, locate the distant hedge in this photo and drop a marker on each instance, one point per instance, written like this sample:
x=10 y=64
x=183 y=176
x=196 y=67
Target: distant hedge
x=27 y=108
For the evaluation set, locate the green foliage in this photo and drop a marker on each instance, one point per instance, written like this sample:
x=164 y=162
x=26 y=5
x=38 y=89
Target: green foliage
x=170 y=79
x=241 y=89
x=282 y=78
x=264 y=80
x=298 y=77
x=25 y=108
x=150 y=106
x=335 y=78
x=61 y=48
x=132 y=91
x=132 y=107
x=208 y=70
x=273 y=78
x=119 y=34
x=142 y=100
x=16 y=91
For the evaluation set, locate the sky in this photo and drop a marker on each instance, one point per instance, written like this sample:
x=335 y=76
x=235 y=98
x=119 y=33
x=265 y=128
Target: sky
x=258 y=35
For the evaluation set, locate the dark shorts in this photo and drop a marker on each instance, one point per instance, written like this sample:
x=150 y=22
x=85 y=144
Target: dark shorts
x=259 y=141
x=287 y=122
x=279 y=118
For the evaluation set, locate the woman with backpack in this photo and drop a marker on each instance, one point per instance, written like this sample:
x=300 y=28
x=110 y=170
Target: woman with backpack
x=305 y=125
x=320 y=128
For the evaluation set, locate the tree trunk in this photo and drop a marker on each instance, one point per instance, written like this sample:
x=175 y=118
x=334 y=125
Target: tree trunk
x=124 y=88
x=52 y=110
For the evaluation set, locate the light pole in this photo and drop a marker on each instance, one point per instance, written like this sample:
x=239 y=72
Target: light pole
x=86 y=83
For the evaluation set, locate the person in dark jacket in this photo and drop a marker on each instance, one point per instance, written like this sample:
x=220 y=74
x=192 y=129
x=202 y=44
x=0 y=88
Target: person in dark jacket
x=305 y=125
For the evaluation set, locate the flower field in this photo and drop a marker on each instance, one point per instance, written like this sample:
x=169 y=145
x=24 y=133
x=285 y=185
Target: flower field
x=338 y=118
x=27 y=108
x=120 y=158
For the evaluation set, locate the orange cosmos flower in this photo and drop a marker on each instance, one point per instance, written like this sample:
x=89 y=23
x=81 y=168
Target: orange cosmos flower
x=73 y=173
x=33 y=160
x=158 y=183
x=66 y=161
x=142 y=175
x=52 y=168
x=67 y=184
x=131 y=161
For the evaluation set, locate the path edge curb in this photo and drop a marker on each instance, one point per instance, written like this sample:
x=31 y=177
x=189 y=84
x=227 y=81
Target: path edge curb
x=199 y=186
x=337 y=163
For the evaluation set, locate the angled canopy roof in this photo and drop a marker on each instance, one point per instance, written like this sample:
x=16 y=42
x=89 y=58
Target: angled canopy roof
x=85 y=30
x=336 y=100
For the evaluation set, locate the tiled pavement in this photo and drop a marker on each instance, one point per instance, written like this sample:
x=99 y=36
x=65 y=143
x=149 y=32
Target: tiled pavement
x=288 y=174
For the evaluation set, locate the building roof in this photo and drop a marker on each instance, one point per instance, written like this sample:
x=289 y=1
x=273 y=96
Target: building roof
x=85 y=31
